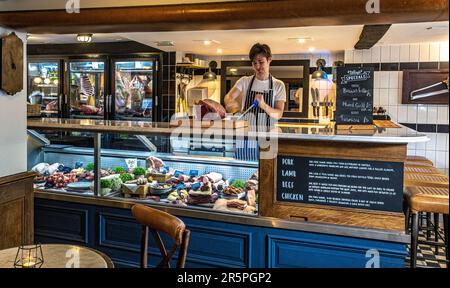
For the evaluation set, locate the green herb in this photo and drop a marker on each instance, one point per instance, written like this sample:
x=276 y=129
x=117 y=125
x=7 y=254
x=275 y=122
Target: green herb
x=105 y=183
x=138 y=171
x=238 y=183
x=119 y=170
x=116 y=184
x=90 y=167
x=125 y=177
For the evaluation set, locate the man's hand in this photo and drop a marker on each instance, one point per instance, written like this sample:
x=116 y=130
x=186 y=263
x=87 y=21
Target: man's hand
x=261 y=103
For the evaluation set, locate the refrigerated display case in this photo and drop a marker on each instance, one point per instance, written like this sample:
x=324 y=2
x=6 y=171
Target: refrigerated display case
x=44 y=86
x=140 y=170
x=133 y=89
x=87 y=89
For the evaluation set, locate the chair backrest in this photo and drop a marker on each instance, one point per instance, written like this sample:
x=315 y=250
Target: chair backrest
x=156 y=221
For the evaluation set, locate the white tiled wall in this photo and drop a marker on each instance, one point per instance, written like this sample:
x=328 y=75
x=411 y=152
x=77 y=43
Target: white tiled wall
x=388 y=93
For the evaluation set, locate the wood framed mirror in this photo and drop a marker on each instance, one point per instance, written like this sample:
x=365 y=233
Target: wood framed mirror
x=294 y=74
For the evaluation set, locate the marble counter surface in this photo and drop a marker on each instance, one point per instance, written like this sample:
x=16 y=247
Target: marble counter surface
x=285 y=131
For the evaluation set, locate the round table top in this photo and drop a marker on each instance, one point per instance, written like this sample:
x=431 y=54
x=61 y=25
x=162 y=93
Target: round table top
x=62 y=256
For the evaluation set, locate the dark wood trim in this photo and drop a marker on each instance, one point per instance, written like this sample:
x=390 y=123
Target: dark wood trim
x=16 y=177
x=370 y=35
x=304 y=82
x=223 y=16
x=111 y=48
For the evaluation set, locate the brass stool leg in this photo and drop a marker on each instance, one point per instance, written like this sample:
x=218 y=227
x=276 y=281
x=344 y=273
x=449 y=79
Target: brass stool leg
x=436 y=232
x=414 y=238
x=428 y=226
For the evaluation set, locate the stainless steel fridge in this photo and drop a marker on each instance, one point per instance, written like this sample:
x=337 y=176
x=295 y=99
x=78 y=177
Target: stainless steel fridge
x=87 y=89
x=133 y=89
x=44 y=84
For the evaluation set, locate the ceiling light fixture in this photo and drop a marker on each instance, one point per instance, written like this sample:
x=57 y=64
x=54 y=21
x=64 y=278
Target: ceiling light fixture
x=208 y=42
x=301 y=40
x=311 y=49
x=219 y=51
x=84 y=38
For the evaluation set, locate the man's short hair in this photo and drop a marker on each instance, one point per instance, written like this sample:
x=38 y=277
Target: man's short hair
x=260 y=49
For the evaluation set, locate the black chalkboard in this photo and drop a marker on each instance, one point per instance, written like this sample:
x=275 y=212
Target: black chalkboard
x=372 y=185
x=354 y=96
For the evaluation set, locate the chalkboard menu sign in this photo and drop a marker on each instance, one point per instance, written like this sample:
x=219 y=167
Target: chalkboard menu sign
x=361 y=184
x=354 y=96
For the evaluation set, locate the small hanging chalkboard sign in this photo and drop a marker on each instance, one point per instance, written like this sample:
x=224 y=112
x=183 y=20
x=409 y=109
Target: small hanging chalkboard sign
x=354 y=98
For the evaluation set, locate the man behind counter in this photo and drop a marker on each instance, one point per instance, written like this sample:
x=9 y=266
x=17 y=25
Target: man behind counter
x=263 y=87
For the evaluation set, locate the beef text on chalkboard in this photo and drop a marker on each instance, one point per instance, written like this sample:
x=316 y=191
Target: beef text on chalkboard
x=354 y=96
x=360 y=184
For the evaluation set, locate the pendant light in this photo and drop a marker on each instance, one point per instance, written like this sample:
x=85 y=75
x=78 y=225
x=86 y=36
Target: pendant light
x=320 y=73
x=210 y=76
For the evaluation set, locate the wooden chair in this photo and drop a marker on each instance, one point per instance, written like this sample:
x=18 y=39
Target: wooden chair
x=156 y=221
x=432 y=200
x=418 y=160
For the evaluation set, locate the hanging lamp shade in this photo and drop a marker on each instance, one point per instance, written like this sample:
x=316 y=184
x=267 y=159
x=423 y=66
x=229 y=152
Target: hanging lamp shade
x=210 y=76
x=319 y=73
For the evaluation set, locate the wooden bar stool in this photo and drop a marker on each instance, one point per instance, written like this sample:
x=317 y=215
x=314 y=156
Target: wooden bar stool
x=420 y=160
x=158 y=220
x=430 y=180
x=422 y=170
x=427 y=199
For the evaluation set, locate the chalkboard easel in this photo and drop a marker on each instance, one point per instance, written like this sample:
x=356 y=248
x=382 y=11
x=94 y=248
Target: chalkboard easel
x=354 y=98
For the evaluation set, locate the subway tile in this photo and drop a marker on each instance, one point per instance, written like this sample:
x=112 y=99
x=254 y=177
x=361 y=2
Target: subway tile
x=443 y=52
x=375 y=66
x=440 y=160
x=411 y=149
x=446 y=161
x=432 y=114
x=393 y=112
x=393 y=97
x=366 y=56
x=384 y=97
x=434 y=52
x=384 y=79
x=431 y=145
x=442 y=115
x=421 y=113
x=424 y=52
x=376 y=54
x=409 y=66
x=357 y=56
x=414 y=52
x=442 y=128
x=385 y=54
x=402 y=111
x=441 y=142
x=393 y=79
x=353 y=65
x=427 y=128
x=412 y=113
x=376 y=79
x=390 y=66
x=428 y=65
x=395 y=54
x=420 y=152
x=404 y=53
x=431 y=155
x=376 y=97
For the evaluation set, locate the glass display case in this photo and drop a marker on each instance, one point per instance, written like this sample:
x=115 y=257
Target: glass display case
x=87 y=89
x=133 y=89
x=44 y=86
x=149 y=169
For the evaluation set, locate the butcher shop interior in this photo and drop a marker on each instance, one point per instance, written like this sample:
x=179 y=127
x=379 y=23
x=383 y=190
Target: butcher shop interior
x=114 y=117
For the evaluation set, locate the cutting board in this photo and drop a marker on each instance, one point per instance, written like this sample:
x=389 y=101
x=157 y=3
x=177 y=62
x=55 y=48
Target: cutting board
x=223 y=124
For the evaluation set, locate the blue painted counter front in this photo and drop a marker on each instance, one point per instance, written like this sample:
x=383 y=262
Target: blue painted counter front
x=213 y=244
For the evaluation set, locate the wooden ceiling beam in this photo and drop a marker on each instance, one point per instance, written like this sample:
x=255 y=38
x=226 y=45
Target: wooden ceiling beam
x=370 y=35
x=225 y=16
